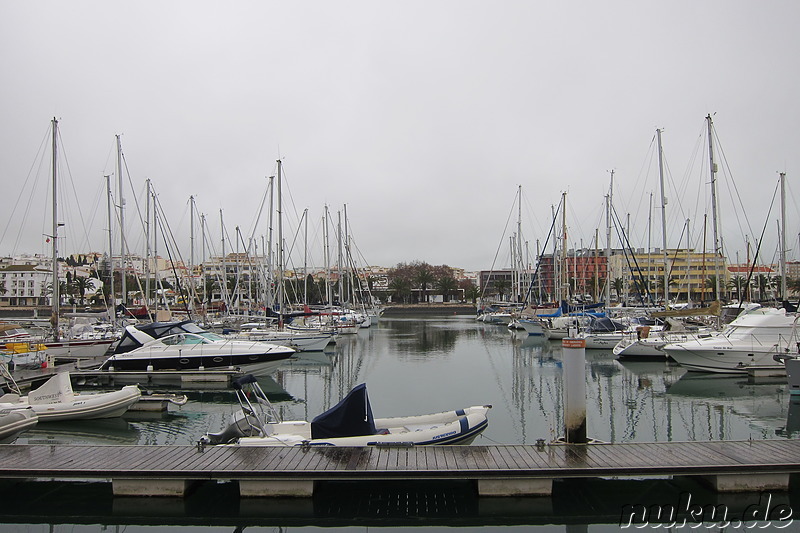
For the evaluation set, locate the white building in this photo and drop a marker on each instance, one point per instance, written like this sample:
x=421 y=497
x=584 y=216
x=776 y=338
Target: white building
x=25 y=285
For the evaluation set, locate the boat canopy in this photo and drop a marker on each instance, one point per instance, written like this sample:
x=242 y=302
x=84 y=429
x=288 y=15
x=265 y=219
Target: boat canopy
x=600 y=325
x=136 y=336
x=351 y=417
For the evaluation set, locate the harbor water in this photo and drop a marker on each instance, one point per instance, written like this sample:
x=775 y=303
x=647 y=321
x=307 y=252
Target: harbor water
x=418 y=365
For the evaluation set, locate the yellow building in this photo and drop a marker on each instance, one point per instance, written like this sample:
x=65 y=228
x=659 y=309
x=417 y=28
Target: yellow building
x=690 y=274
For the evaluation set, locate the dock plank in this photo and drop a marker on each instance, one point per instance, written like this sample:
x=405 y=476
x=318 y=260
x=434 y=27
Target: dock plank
x=469 y=462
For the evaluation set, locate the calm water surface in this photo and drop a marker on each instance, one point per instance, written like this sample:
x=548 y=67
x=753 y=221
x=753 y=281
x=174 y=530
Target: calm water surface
x=425 y=365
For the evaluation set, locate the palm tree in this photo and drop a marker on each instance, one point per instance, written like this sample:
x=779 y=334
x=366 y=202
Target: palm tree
x=618 y=285
x=446 y=285
x=711 y=284
x=763 y=283
x=80 y=285
x=401 y=288
x=792 y=284
x=423 y=278
x=660 y=285
x=472 y=292
x=737 y=283
x=502 y=285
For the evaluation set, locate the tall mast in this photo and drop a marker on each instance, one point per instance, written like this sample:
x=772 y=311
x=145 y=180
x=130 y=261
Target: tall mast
x=191 y=249
x=609 y=198
x=714 y=221
x=688 y=264
x=520 y=261
x=663 y=217
x=203 y=255
x=111 y=249
x=147 y=250
x=783 y=235
x=327 y=254
x=305 y=257
x=280 y=250
x=56 y=294
x=270 y=269
x=224 y=281
x=156 y=277
x=563 y=289
x=121 y=223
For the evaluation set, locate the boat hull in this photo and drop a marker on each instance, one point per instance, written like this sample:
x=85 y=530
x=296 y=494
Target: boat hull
x=460 y=427
x=258 y=361
x=14 y=422
x=90 y=406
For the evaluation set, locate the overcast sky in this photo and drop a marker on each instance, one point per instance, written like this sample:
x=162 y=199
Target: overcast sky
x=422 y=117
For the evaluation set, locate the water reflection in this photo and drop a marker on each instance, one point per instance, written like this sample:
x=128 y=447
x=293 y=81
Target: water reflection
x=414 y=366
x=423 y=365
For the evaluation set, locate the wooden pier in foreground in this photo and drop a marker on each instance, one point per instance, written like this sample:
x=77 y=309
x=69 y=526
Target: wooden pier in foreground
x=503 y=470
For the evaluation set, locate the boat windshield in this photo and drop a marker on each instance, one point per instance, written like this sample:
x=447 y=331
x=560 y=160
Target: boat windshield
x=211 y=336
x=184 y=339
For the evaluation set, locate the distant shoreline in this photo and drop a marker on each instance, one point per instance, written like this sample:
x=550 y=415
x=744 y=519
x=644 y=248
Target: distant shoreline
x=389 y=310
x=430 y=309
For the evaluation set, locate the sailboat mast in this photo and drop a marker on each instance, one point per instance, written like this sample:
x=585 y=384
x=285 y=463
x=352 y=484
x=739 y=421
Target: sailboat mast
x=121 y=223
x=783 y=235
x=714 y=221
x=608 y=241
x=520 y=265
x=191 y=254
x=564 y=286
x=111 y=249
x=327 y=253
x=56 y=294
x=305 y=256
x=147 y=250
x=663 y=217
x=279 y=281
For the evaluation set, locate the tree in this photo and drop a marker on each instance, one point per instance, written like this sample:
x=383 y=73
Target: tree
x=423 y=279
x=80 y=285
x=401 y=288
x=737 y=283
x=660 y=286
x=618 y=284
x=711 y=283
x=446 y=286
x=793 y=285
x=763 y=283
x=471 y=291
x=502 y=285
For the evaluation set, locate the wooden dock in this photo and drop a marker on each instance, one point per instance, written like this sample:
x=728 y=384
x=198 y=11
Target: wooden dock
x=510 y=470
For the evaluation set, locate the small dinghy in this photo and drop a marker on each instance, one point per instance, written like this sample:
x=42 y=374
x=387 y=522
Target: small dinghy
x=55 y=400
x=348 y=423
x=13 y=422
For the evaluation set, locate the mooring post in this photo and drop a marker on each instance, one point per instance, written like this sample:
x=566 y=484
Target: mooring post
x=574 y=363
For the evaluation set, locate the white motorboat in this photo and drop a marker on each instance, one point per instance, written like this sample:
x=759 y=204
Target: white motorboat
x=15 y=421
x=348 y=423
x=647 y=342
x=186 y=346
x=559 y=327
x=302 y=341
x=750 y=340
x=55 y=401
x=79 y=346
x=603 y=334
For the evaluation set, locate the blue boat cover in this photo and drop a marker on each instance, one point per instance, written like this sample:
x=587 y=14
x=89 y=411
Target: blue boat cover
x=351 y=417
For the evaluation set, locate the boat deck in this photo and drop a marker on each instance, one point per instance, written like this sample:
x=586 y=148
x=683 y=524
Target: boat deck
x=498 y=470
